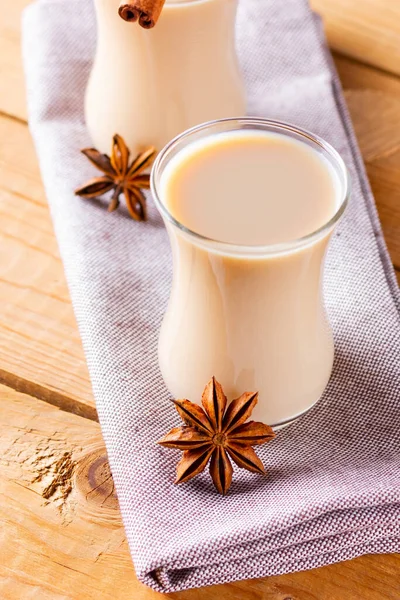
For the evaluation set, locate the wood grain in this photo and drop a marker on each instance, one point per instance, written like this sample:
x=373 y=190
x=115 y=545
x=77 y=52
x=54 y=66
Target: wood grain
x=70 y=541
x=376 y=119
x=373 y=99
x=368 y=30
x=40 y=348
x=355 y=75
x=61 y=536
x=12 y=88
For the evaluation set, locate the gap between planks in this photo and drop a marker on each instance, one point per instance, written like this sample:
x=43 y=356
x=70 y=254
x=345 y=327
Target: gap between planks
x=12 y=117
x=51 y=396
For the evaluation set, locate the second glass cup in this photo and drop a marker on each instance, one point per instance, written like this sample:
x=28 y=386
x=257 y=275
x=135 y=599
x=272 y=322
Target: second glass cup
x=251 y=315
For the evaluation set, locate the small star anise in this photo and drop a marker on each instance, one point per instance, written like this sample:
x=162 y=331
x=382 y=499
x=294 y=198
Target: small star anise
x=120 y=176
x=217 y=433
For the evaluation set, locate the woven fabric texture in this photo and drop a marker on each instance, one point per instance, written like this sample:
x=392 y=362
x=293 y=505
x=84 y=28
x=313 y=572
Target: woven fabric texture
x=333 y=489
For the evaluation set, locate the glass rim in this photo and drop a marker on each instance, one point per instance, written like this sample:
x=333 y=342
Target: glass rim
x=175 y=3
x=257 y=124
x=169 y=2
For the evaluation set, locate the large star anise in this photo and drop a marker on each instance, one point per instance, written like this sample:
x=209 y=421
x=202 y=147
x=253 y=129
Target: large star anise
x=217 y=433
x=120 y=176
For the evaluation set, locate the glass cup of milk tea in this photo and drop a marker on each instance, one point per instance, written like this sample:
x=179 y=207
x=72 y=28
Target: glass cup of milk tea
x=249 y=205
x=149 y=85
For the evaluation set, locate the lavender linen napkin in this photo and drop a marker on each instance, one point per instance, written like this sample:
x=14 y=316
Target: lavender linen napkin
x=333 y=492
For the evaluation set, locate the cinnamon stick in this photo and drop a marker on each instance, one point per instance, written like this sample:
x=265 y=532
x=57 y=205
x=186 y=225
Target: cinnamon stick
x=144 y=11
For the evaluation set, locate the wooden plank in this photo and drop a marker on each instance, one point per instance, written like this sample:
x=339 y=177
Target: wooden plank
x=368 y=30
x=356 y=75
x=40 y=348
x=376 y=119
x=12 y=88
x=384 y=174
x=61 y=536
x=373 y=98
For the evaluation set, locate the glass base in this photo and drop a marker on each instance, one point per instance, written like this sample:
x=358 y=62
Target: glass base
x=283 y=424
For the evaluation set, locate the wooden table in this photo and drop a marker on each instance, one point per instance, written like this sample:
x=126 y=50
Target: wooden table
x=61 y=535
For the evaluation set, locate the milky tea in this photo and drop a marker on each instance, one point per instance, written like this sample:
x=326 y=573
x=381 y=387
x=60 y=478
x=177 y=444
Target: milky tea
x=249 y=211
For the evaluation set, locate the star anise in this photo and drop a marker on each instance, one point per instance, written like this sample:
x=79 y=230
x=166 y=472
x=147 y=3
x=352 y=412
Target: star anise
x=120 y=176
x=217 y=433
